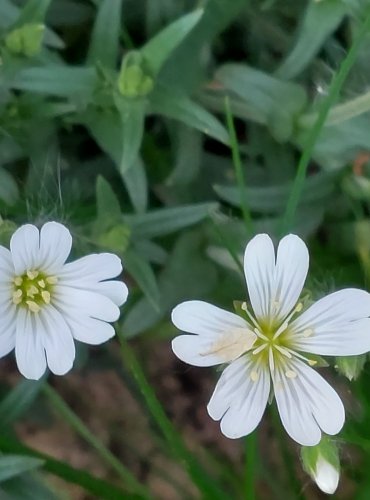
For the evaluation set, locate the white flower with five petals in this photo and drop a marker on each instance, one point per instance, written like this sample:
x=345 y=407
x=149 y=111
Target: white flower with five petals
x=269 y=350
x=45 y=303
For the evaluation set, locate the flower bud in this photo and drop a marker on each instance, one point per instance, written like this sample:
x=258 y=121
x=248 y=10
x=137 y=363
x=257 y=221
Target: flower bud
x=26 y=40
x=321 y=462
x=133 y=79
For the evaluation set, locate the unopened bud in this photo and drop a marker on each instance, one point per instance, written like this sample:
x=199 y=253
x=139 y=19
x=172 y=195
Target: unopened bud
x=26 y=40
x=134 y=80
x=321 y=462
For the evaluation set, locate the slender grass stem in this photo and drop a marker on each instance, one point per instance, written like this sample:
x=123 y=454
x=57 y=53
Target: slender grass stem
x=206 y=485
x=250 y=466
x=313 y=134
x=63 y=410
x=238 y=168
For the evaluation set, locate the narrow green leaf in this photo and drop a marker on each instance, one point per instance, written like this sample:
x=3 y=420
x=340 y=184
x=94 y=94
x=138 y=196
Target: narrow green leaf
x=106 y=128
x=168 y=220
x=13 y=465
x=9 y=192
x=136 y=183
x=278 y=103
x=158 y=49
x=179 y=107
x=28 y=486
x=34 y=11
x=62 y=81
x=185 y=68
x=104 y=42
x=107 y=205
x=95 y=486
x=132 y=113
x=143 y=274
x=272 y=199
x=319 y=21
x=18 y=400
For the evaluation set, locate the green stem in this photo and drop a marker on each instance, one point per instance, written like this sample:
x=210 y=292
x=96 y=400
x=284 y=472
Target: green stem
x=238 y=168
x=76 y=423
x=250 y=466
x=341 y=112
x=314 y=133
x=205 y=484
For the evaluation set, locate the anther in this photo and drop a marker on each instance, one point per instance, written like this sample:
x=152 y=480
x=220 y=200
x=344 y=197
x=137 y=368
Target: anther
x=45 y=296
x=244 y=306
x=18 y=280
x=254 y=376
x=32 y=274
x=259 y=349
x=290 y=374
x=32 y=291
x=41 y=283
x=298 y=307
x=17 y=297
x=32 y=306
x=311 y=362
x=52 y=280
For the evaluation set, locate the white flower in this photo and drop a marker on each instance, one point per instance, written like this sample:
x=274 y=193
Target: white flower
x=326 y=476
x=270 y=349
x=45 y=303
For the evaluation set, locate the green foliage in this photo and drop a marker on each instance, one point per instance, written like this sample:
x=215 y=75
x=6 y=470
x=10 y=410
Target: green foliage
x=113 y=120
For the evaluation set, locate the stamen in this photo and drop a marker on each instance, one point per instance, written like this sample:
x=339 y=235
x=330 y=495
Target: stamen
x=41 y=283
x=18 y=280
x=52 y=280
x=283 y=351
x=250 y=316
x=260 y=334
x=259 y=349
x=32 y=274
x=291 y=374
x=32 y=306
x=271 y=359
x=300 y=356
x=45 y=296
x=254 y=376
x=284 y=325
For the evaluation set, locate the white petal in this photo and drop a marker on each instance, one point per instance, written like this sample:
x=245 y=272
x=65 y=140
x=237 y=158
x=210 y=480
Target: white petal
x=55 y=246
x=29 y=351
x=307 y=403
x=6 y=265
x=24 y=246
x=238 y=401
x=89 y=330
x=259 y=269
x=92 y=268
x=7 y=327
x=57 y=340
x=116 y=291
x=326 y=476
x=85 y=302
x=291 y=271
x=336 y=325
x=220 y=336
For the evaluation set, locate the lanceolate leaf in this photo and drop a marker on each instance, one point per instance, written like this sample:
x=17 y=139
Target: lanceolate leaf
x=13 y=465
x=104 y=42
x=157 y=50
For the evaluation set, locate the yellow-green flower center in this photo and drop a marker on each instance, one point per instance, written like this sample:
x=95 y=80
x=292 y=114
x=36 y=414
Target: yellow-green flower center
x=274 y=344
x=33 y=290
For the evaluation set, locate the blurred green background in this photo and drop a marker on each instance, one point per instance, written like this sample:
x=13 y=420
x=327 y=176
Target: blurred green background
x=113 y=120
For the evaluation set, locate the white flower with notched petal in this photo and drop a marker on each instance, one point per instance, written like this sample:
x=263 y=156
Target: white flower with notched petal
x=45 y=303
x=271 y=347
